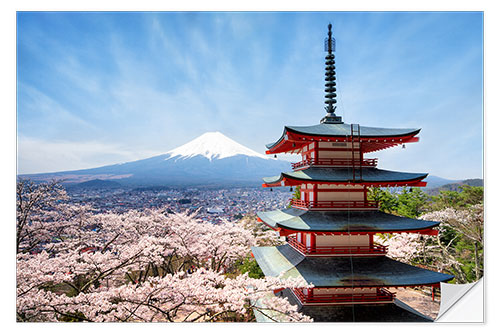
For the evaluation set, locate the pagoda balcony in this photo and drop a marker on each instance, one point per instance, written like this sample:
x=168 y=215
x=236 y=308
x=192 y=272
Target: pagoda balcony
x=334 y=162
x=381 y=296
x=374 y=250
x=334 y=205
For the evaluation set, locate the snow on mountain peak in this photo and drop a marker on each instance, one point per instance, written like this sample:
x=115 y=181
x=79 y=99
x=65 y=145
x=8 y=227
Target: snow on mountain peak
x=212 y=145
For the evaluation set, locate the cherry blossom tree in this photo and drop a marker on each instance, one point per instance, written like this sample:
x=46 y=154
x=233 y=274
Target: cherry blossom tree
x=468 y=223
x=204 y=295
x=262 y=234
x=404 y=247
x=461 y=229
x=135 y=266
x=35 y=205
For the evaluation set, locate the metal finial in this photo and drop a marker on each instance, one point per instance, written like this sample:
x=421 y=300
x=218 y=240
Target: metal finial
x=330 y=84
x=330 y=41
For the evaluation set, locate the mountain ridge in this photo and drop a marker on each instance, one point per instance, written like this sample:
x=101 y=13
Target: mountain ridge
x=454 y=186
x=209 y=159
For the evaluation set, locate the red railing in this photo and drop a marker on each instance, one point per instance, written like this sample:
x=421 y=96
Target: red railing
x=335 y=162
x=302 y=204
x=375 y=249
x=382 y=295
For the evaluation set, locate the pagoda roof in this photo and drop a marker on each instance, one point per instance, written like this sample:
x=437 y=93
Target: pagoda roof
x=341 y=221
x=389 y=312
x=342 y=131
x=345 y=175
x=284 y=261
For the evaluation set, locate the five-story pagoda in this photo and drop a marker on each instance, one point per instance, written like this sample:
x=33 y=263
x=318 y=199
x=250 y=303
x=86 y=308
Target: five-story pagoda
x=330 y=229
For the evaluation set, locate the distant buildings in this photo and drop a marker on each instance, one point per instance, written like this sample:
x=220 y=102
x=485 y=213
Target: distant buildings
x=211 y=205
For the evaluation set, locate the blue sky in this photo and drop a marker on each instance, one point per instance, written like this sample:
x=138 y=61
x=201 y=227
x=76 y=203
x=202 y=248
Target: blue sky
x=102 y=88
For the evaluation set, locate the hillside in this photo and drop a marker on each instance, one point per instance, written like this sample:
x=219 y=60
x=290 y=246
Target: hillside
x=455 y=186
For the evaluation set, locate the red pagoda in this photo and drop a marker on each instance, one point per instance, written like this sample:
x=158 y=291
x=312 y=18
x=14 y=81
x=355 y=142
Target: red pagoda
x=330 y=229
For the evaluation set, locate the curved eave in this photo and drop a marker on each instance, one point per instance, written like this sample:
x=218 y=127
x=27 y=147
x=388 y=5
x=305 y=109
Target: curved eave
x=312 y=176
x=383 y=132
x=284 y=261
x=283 y=137
x=294 y=220
x=293 y=140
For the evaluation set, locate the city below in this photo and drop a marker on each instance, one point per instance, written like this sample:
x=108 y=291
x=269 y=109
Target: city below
x=212 y=205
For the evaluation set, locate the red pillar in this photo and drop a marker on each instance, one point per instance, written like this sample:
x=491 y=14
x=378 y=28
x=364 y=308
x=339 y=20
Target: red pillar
x=316 y=150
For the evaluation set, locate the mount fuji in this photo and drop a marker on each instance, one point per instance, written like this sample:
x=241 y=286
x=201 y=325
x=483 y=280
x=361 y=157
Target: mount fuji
x=211 y=159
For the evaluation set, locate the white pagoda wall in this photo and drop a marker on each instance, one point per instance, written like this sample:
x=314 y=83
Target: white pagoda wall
x=348 y=195
x=341 y=196
x=346 y=154
x=343 y=240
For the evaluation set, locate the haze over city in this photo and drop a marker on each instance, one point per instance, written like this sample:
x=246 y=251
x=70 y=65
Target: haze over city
x=104 y=88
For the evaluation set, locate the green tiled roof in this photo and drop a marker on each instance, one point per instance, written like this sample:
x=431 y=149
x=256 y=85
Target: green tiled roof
x=342 y=271
x=341 y=221
x=343 y=130
x=345 y=174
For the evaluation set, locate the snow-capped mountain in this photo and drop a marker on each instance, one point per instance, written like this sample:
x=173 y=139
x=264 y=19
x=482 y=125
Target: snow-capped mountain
x=210 y=159
x=212 y=145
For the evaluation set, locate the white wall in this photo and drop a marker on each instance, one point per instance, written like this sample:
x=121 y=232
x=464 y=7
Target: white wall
x=341 y=196
x=343 y=240
x=338 y=154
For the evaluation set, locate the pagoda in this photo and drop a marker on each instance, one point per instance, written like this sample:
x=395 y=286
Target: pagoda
x=330 y=229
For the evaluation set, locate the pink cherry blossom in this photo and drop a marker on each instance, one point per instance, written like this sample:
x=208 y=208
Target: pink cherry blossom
x=135 y=266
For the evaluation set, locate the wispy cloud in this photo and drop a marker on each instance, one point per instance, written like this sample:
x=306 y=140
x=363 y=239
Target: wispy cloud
x=152 y=81
x=38 y=107
x=38 y=155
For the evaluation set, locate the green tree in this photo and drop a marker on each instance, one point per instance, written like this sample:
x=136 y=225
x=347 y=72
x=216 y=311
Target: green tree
x=250 y=265
x=296 y=195
x=465 y=196
x=411 y=202
x=387 y=201
x=445 y=199
x=471 y=195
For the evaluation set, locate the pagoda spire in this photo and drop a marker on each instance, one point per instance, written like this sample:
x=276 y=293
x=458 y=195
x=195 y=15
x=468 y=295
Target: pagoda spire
x=330 y=84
